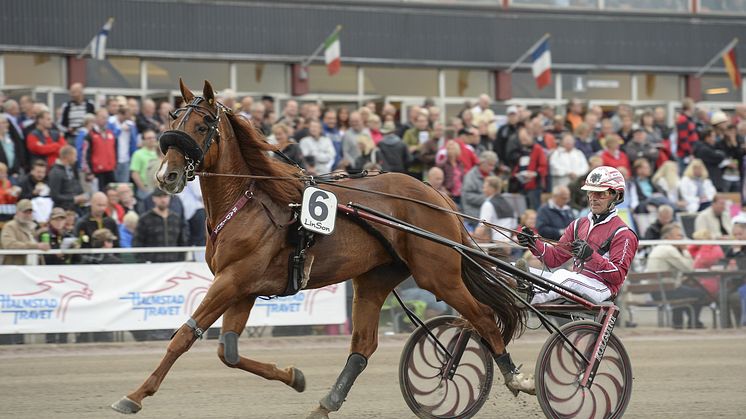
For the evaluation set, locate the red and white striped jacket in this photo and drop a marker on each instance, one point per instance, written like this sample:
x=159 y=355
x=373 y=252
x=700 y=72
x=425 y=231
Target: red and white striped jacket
x=613 y=242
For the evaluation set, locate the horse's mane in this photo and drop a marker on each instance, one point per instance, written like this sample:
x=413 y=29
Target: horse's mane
x=254 y=150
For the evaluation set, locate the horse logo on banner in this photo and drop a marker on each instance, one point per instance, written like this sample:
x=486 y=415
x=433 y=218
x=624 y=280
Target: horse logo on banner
x=40 y=305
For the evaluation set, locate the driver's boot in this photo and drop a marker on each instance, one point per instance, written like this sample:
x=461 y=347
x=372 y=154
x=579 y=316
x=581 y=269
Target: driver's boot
x=515 y=380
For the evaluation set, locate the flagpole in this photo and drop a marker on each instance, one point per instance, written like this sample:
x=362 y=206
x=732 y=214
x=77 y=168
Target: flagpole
x=316 y=52
x=714 y=59
x=82 y=53
x=527 y=53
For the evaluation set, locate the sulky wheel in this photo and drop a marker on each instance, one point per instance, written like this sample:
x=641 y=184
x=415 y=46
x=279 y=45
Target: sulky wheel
x=422 y=378
x=559 y=370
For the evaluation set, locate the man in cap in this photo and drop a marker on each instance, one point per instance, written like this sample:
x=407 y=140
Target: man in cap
x=55 y=234
x=507 y=134
x=101 y=239
x=20 y=233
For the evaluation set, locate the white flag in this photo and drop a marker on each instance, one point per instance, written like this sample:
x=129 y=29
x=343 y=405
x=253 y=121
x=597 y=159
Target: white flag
x=98 y=43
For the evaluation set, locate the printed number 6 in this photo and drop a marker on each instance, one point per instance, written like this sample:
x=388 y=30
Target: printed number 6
x=316 y=206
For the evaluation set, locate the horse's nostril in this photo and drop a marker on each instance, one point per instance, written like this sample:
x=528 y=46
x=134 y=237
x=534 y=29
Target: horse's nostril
x=171 y=177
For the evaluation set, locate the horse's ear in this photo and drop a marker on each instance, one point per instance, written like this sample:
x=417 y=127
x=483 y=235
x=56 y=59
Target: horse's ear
x=209 y=93
x=185 y=92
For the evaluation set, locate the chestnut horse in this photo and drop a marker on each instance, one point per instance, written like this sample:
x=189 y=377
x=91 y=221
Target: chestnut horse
x=249 y=256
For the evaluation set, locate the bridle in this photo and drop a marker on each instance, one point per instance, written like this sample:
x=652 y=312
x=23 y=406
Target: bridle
x=193 y=153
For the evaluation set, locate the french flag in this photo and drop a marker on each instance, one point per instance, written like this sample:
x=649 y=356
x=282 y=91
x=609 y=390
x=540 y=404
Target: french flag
x=542 y=65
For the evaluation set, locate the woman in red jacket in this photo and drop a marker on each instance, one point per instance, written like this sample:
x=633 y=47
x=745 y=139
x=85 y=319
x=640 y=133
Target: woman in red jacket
x=531 y=168
x=613 y=156
x=705 y=256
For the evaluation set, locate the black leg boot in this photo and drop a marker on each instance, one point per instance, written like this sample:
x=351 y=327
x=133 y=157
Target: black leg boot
x=515 y=380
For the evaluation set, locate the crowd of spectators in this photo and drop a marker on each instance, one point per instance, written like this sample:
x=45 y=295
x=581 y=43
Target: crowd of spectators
x=87 y=180
x=64 y=180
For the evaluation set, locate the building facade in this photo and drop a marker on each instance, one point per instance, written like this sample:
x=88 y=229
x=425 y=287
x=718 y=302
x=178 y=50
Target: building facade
x=641 y=52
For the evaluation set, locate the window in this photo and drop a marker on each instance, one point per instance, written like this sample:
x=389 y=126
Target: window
x=114 y=72
x=319 y=80
x=663 y=6
x=467 y=83
x=164 y=74
x=586 y=4
x=599 y=86
x=719 y=89
x=33 y=70
x=659 y=87
x=722 y=6
x=401 y=81
x=524 y=86
x=261 y=78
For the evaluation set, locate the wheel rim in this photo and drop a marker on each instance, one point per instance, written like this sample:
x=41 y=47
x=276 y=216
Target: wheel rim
x=426 y=390
x=558 y=383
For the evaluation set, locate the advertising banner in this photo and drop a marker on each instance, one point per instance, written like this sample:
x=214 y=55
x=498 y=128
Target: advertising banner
x=90 y=298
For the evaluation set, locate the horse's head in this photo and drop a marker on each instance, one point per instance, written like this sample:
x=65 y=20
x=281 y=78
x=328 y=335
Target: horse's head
x=186 y=145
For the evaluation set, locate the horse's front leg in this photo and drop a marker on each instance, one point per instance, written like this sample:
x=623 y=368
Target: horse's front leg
x=234 y=322
x=221 y=295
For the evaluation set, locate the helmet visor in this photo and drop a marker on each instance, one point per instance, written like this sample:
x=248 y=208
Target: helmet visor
x=592 y=188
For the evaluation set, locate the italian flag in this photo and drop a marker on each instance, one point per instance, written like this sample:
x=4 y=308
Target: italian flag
x=332 y=54
x=731 y=66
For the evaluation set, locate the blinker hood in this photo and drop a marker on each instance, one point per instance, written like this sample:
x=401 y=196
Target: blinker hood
x=182 y=142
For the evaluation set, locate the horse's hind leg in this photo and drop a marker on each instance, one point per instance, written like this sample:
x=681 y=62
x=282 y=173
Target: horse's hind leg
x=219 y=297
x=447 y=286
x=234 y=322
x=371 y=290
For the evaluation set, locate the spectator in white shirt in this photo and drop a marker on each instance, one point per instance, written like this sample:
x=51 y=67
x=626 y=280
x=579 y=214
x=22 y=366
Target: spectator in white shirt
x=696 y=188
x=567 y=163
x=318 y=149
x=495 y=210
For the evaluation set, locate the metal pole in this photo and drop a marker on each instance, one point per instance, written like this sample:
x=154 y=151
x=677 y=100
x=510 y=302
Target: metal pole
x=528 y=51
x=707 y=66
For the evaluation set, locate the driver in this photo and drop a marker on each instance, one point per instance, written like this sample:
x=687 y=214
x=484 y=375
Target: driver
x=601 y=243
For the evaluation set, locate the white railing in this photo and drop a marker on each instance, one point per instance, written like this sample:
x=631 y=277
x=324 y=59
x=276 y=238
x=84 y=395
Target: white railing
x=32 y=259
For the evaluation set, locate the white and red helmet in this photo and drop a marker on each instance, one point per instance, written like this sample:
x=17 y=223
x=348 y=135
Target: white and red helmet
x=604 y=178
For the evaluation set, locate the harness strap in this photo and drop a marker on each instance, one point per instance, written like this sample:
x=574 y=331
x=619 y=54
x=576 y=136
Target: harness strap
x=245 y=197
x=293 y=217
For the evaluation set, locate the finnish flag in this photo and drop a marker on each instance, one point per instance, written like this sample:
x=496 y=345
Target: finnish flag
x=98 y=43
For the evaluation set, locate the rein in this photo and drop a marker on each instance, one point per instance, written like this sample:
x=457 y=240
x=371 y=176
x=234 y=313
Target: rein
x=332 y=179
x=194 y=155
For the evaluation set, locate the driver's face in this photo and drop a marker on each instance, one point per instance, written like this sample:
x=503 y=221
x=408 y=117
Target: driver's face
x=599 y=201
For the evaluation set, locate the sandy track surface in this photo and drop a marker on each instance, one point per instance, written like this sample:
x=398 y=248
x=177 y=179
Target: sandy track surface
x=676 y=375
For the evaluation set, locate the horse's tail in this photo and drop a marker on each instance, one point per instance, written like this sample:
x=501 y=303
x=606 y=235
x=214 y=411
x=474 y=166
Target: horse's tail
x=511 y=317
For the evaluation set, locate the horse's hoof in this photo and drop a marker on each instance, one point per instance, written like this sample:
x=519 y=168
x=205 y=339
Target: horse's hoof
x=127 y=406
x=319 y=413
x=299 y=381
